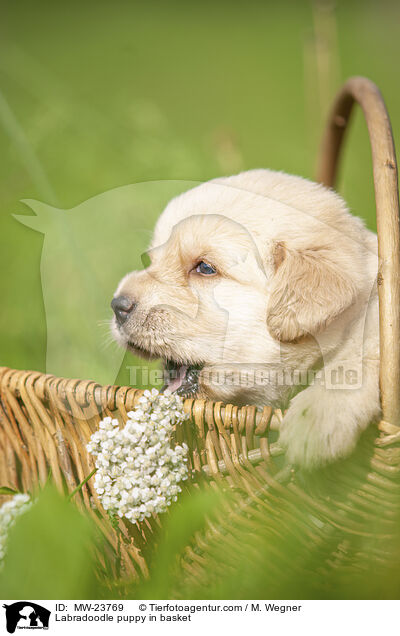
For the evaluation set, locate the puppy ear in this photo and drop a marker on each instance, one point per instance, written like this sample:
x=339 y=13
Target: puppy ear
x=308 y=291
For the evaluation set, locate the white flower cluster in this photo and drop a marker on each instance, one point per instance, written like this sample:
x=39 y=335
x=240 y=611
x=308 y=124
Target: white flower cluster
x=9 y=511
x=138 y=472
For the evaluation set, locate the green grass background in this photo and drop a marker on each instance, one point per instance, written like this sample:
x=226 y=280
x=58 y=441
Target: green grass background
x=99 y=95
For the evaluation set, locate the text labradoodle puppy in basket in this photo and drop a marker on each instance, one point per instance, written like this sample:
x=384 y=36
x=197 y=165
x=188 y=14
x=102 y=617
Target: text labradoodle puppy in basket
x=261 y=289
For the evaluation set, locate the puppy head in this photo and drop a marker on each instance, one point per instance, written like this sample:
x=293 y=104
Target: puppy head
x=202 y=289
x=238 y=276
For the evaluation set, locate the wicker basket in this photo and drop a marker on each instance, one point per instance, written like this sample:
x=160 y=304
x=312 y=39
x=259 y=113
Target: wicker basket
x=46 y=422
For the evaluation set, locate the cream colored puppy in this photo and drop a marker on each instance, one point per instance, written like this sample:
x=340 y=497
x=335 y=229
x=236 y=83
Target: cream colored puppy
x=262 y=290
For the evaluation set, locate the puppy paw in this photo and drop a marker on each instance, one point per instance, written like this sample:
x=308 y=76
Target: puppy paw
x=321 y=426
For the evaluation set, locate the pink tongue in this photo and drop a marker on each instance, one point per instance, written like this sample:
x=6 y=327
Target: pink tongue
x=176 y=382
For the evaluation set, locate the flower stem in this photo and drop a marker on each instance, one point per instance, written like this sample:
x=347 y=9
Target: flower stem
x=79 y=487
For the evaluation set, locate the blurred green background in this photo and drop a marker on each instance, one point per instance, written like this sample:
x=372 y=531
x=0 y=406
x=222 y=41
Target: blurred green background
x=99 y=95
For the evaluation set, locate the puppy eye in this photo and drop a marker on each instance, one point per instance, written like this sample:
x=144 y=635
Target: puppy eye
x=205 y=269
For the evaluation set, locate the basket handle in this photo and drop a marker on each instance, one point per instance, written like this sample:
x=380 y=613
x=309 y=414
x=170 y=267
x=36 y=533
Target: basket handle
x=368 y=96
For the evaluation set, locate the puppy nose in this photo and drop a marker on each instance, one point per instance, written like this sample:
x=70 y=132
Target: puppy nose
x=122 y=307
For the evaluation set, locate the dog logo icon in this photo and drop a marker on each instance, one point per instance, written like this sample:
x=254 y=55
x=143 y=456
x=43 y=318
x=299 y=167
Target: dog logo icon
x=26 y=615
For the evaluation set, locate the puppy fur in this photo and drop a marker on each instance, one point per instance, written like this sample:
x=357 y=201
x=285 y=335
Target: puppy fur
x=294 y=290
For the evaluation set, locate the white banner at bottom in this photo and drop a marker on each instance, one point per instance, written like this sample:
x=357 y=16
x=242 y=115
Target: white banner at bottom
x=169 y=617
